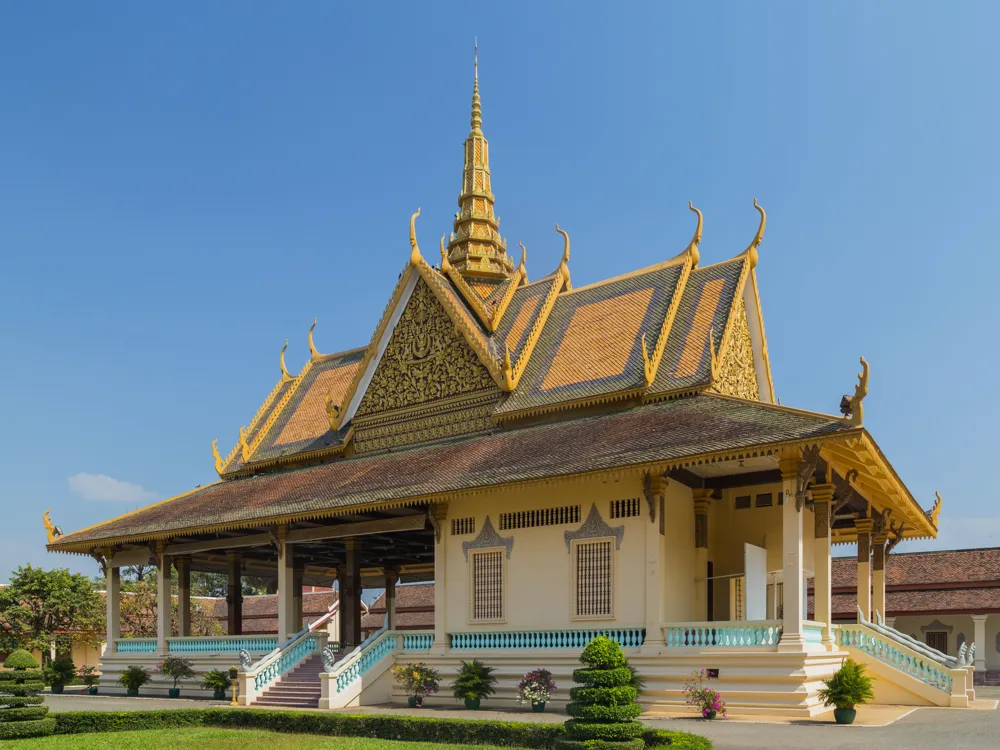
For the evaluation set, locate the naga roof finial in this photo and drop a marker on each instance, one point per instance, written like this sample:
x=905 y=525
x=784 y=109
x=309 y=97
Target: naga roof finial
x=936 y=510
x=313 y=353
x=445 y=263
x=332 y=409
x=220 y=464
x=414 y=247
x=54 y=532
x=524 y=257
x=758 y=238
x=285 y=374
x=244 y=445
x=565 y=257
x=692 y=247
x=853 y=406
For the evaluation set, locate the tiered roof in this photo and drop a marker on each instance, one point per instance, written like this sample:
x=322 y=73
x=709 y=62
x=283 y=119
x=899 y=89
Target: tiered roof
x=507 y=353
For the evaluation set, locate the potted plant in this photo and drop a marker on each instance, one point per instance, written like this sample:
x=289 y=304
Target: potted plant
x=59 y=673
x=176 y=669
x=133 y=678
x=698 y=694
x=474 y=682
x=848 y=687
x=217 y=681
x=89 y=677
x=417 y=680
x=536 y=687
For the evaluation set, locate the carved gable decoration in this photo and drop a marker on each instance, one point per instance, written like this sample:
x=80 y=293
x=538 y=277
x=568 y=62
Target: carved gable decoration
x=737 y=375
x=594 y=528
x=426 y=360
x=488 y=537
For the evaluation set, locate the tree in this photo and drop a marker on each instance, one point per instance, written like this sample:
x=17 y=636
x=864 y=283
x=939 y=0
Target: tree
x=41 y=607
x=139 y=611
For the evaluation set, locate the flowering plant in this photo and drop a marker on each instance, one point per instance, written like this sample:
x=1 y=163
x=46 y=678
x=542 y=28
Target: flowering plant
x=417 y=680
x=88 y=675
x=701 y=696
x=536 y=687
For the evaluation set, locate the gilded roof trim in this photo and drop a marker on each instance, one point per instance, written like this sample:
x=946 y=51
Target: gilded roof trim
x=264 y=407
x=763 y=335
x=372 y=347
x=653 y=361
x=293 y=458
x=513 y=375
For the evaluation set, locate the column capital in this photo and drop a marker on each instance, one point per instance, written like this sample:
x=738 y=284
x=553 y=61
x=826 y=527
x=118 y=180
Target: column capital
x=702 y=500
x=234 y=554
x=789 y=466
x=654 y=488
x=823 y=493
x=864 y=526
x=182 y=561
x=979 y=618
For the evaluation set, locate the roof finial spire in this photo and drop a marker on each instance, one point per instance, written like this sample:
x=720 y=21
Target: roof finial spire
x=477 y=114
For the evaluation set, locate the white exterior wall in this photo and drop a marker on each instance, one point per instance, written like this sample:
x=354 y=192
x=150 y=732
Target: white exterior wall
x=538 y=593
x=912 y=624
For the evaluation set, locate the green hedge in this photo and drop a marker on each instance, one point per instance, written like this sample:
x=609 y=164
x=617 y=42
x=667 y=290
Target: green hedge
x=23 y=714
x=12 y=730
x=603 y=677
x=385 y=727
x=19 y=701
x=10 y=675
x=605 y=696
x=21 y=690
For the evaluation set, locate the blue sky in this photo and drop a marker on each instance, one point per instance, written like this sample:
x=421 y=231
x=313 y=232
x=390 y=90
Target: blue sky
x=184 y=186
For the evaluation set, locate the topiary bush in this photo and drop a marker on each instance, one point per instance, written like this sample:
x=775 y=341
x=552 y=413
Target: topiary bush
x=22 y=713
x=604 y=707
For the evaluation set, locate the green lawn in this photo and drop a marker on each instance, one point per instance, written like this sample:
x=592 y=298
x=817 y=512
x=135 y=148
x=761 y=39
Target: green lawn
x=222 y=739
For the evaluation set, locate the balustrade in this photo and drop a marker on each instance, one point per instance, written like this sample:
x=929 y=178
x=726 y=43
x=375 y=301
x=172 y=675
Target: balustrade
x=417 y=641
x=899 y=657
x=222 y=644
x=575 y=639
x=738 y=634
x=367 y=655
x=135 y=645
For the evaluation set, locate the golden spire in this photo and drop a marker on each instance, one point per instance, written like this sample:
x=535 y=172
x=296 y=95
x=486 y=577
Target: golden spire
x=476 y=247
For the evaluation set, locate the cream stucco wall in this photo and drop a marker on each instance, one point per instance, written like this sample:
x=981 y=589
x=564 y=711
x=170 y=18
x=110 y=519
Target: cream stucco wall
x=730 y=528
x=913 y=626
x=538 y=572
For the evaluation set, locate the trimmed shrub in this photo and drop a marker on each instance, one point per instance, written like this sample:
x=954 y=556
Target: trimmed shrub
x=21 y=713
x=605 y=707
x=676 y=740
x=20 y=659
x=60 y=672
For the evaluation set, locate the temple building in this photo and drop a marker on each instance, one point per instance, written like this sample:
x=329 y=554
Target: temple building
x=561 y=462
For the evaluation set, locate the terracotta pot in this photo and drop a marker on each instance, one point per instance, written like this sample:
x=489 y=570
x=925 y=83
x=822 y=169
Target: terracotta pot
x=845 y=715
x=538 y=707
x=472 y=704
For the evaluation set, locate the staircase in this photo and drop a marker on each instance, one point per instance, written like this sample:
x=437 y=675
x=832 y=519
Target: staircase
x=299 y=688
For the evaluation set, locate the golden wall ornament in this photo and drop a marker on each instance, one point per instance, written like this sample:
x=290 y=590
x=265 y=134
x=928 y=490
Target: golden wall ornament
x=54 y=532
x=736 y=374
x=426 y=360
x=853 y=406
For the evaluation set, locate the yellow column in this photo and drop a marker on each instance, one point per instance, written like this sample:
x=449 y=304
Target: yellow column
x=440 y=568
x=702 y=502
x=878 y=573
x=822 y=591
x=791 y=555
x=864 y=527
x=655 y=490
